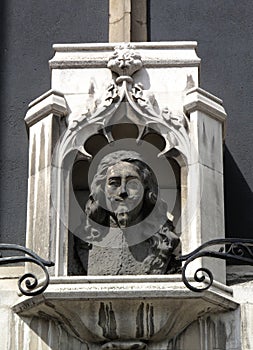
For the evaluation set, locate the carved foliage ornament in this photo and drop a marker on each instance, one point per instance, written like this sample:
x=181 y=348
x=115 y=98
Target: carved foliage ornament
x=125 y=60
x=142 y=110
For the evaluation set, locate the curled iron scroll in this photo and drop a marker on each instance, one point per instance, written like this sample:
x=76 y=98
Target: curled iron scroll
x=229 y=249
x=30 y=280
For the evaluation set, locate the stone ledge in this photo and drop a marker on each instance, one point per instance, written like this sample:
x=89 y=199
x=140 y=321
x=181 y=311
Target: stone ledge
x=239 y=274
x=164 y=280
x=85 y=307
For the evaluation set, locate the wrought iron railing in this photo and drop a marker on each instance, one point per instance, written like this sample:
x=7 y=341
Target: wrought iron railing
x=228 y=249
x=29 y=280
x=234 y=249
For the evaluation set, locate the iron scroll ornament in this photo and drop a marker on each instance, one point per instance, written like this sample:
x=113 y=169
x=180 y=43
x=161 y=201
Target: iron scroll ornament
x=30 y=280
x=232 y=249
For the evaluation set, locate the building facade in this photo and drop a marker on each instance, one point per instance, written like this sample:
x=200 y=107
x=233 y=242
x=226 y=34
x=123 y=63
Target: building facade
x=223 y=32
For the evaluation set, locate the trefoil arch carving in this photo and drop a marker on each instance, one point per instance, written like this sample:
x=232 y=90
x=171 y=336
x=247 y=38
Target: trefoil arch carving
x=124 y=97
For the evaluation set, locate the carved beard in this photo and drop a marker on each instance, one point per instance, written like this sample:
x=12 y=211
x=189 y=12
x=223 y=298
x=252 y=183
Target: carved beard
x=123 y=219
x=126 y=217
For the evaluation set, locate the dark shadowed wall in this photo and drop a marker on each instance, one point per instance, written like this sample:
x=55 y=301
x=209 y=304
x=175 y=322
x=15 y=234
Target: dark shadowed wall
x=28 y=30
x=224 y=32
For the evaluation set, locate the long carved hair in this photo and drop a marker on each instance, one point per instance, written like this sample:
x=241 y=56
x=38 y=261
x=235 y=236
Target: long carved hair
x=96 y=205
x=154 y=225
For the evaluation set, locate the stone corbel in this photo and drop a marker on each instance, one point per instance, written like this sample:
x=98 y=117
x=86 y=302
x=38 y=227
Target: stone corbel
x=124 y=312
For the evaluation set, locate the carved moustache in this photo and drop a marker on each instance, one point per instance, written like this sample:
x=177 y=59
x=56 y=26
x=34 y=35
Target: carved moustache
x=121 y=199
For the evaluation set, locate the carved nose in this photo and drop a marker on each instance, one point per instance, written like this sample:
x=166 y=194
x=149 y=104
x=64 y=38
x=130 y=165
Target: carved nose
x=123 y=191
x=123 y=194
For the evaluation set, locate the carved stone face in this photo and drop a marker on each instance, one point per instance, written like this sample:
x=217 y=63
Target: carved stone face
x=124 y=192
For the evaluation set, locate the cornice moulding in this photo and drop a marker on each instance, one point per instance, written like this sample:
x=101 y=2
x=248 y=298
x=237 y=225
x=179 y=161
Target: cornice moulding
x=198 y=99
x=52 y=102
x=138 y=45
x=161 y=54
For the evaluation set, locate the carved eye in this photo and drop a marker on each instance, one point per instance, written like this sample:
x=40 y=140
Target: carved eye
x=114 y=182
x=134 y=184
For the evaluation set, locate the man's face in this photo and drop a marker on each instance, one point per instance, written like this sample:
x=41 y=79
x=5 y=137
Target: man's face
x=124 y=192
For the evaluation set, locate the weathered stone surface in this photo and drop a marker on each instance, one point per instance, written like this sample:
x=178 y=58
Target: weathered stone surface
x=119 y=20
x=162 y=54
x=243 y=294
x=128 y=20
x=44 y=119
x=107 y=309
x=51 y=102
x=247 y=323
x=220 y=331
x=239 y=274
x=203 y=196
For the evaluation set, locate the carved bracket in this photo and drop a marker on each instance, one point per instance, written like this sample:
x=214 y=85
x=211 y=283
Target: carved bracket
x=232 y=248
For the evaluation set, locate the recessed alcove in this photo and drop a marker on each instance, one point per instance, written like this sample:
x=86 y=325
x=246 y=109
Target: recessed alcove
x=124 y=130
x=155 y=139
x=125 y=136
x=95 y=143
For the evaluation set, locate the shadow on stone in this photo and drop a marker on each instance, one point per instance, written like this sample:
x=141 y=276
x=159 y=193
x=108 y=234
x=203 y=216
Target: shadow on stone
x=238 y=200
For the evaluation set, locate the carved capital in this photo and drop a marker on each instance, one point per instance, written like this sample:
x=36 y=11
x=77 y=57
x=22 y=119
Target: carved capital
x=198 y=99
x=125 y=60
x=52 y=102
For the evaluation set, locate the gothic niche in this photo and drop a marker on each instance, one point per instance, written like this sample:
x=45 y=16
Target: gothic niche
x=126 y=227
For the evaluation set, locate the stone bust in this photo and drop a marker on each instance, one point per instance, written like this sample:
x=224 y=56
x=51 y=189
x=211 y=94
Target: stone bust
x=126 y=220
